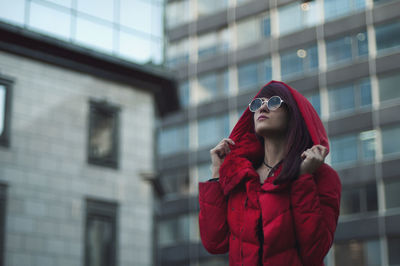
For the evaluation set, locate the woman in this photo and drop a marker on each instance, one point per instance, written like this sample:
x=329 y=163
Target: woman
x=272 y=200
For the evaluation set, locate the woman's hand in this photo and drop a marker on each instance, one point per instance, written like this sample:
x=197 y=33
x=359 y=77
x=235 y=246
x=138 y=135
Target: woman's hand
x=218 y=154
x=312 y=159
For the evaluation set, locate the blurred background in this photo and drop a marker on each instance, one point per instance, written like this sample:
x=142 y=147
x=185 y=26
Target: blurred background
x=108 y=110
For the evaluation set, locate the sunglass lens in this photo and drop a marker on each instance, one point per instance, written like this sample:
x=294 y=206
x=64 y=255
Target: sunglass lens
x=255 y=104
x=274 y=103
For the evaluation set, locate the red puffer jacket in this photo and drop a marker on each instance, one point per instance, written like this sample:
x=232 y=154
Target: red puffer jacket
x=295 y=222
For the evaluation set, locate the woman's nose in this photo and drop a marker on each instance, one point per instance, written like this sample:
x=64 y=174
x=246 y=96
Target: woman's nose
x=264 y=107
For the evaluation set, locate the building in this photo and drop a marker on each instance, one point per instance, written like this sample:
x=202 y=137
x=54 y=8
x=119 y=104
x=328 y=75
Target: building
x=343 y=55
x=76 y=142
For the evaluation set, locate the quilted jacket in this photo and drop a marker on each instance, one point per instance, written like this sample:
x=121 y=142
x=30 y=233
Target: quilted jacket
x=289 y=224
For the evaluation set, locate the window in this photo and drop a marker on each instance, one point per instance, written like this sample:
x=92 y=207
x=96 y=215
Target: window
x=176 y=183
x=253 y=74
x=213 y=43
x=298 y=62
x=92 y=34
x=253 y=29
x=387 y=36
x=358 y=253
x=346 y=49
x=315 y=100
x=351 y=148
x=178 y=53
x=390 y=140
x=212 y=129
x=207 y=7
x=104 y=9
x=392 y=195
x=204 y=172
x=60 y=25
x=3 y=204
x=349 y=97
x=100 y=233
x=177 y=230
x=103 y=134
x=177 y=13
x=5 y=111
x=388 y=87
x=298 y=15
x=339 y=8
x=184 y=93
x=213 y=85
x=393 y=251
x=359 y=199
x=173 y=139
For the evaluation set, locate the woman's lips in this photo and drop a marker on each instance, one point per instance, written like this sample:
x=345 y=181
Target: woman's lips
x=262 y=117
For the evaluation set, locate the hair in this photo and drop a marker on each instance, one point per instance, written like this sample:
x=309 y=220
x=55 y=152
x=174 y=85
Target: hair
x=297 y=135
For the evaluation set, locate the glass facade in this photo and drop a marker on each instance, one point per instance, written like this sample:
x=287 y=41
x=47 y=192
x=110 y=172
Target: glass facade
x=213 y=43
x=184 y=93
x=177 y=13
x=177 y=53
x=358 y=253
x=339 y=8
x=130 y=29
x=253 y=74
x=294 y=17
x=208 y=7
x=173 y=140
x=251 y=30
x=388 y=87
x=392 y=195
x=212 y=86
x=390 y=140
x=299 y=62
x=212 y=129
x=270 y=44
x=387 y=36
x=346 y=49
x=393 y=248
x=359 y=199
x=315 y=100
x=351 y=148
x=347 y=98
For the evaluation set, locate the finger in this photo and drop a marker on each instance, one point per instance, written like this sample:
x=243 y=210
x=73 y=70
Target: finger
x=322 y=151
x=230 y=141
x=308 y=154
x=221 y=154
x=227 y=140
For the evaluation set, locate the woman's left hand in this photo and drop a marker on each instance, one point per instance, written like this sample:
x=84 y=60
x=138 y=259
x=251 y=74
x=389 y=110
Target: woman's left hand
x=312 y=159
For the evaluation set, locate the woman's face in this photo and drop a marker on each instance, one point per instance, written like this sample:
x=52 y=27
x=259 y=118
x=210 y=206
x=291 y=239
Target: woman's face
x=269 y=123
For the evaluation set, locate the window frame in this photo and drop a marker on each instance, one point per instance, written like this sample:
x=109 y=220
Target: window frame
x=355 y=55
x=306 y=66
x=114 y=111
x=106 y=209
x=5 y=135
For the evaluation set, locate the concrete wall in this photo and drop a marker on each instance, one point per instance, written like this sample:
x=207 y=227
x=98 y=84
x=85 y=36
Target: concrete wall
x=46 y=167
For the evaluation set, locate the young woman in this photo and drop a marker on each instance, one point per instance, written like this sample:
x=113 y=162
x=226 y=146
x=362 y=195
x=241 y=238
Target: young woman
x=272 y=200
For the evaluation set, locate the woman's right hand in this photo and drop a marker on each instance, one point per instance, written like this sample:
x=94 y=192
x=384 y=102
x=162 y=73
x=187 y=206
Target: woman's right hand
x=218 y=154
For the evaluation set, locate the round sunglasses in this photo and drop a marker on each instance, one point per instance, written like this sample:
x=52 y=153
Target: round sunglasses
x=273 y=103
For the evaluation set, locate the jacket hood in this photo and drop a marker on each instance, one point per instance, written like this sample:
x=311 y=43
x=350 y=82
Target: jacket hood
x=310 y=116
x=248 y=148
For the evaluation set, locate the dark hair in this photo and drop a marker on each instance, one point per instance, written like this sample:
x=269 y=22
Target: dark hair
x=298 y=137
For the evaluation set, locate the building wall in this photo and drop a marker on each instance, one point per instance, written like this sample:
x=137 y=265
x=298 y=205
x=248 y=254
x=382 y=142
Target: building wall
x=45 y=166
x=342 y=55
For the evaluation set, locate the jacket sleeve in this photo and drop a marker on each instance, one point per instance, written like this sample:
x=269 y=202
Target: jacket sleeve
x=315 y=201
x=214 y=230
